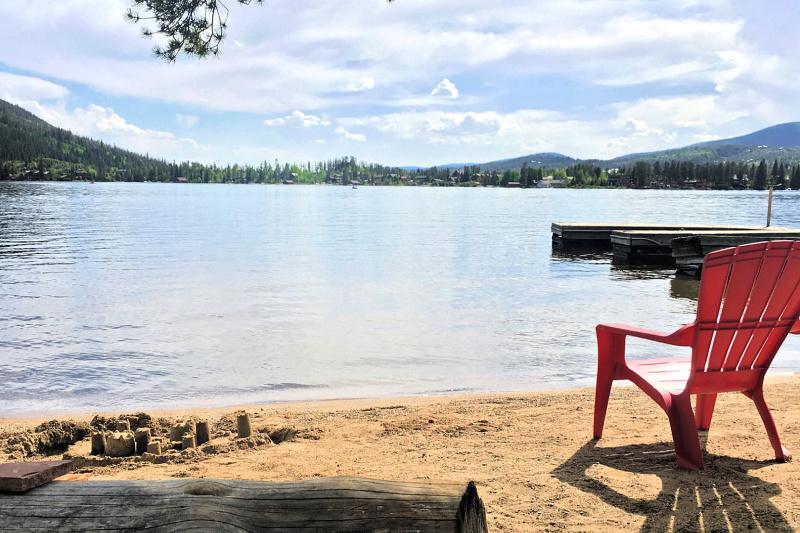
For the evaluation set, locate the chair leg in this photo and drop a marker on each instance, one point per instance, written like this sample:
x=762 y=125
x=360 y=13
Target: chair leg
x=688 y=453
x=781 y=453
x=705 y=410
x=602 y=392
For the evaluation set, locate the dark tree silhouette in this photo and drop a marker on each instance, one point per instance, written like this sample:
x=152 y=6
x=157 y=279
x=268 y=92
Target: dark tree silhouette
x=193 y=27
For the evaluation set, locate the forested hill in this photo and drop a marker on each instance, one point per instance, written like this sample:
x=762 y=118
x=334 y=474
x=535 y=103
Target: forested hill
x=781 y=142
x=28 y=143
x=32 y=149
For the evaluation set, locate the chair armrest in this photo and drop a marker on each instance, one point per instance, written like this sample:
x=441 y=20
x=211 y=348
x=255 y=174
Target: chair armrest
x=684 y=336
x=796 y=327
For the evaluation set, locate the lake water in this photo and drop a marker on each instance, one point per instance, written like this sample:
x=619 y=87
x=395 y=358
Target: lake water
x=122 y=296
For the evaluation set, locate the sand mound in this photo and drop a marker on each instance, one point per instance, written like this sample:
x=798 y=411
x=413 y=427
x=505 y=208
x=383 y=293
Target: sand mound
x=48 y=438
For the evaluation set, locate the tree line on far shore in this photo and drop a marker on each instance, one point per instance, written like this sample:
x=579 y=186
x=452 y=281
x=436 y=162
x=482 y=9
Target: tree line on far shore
x=717 y=175
x=32 y=149
x=346 y=170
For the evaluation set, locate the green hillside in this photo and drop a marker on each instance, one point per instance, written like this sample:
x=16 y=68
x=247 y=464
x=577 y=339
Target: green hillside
x=31 y=145
x=32 y=149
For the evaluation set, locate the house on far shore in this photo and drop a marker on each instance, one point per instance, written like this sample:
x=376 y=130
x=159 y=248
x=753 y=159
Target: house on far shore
x=181 y=179
x=616 y=179
x=549 y=182
x=513 y=185
x=288 y=182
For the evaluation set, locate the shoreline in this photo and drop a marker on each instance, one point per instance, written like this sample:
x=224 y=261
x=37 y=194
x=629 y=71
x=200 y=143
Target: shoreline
x=24 y=416
x=322 y=403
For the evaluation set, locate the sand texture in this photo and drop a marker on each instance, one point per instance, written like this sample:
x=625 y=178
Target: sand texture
x=530 y=454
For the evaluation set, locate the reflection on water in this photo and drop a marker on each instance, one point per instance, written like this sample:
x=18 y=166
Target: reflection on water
x=634 y=272
x=684 y=287
x=127 y=295
x=581 y=254
x=680 y=287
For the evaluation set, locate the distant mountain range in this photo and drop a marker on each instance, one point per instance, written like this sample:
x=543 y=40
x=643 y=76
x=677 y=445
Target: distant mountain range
x=776 y=142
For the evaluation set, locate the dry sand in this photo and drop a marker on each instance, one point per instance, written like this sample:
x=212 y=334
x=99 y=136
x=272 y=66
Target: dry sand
x=530 y=454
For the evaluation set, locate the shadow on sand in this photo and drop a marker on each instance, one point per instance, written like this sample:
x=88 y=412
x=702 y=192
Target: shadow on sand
x=723 y=497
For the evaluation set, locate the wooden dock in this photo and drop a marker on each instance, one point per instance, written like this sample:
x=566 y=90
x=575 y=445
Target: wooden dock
x=688 y=252
x=656 y=247
x=654 y=244
x=568 y=235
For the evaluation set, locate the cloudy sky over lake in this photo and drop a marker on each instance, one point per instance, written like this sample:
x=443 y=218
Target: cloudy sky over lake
x=415 y=82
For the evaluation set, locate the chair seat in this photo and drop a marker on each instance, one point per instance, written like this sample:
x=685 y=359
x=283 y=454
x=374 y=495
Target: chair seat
x=665 y=375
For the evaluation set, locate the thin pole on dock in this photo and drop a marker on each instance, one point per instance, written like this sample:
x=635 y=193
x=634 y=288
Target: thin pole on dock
x=769 y=207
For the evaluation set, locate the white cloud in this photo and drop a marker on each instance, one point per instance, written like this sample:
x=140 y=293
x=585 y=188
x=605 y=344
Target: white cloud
x=95 y=119
x=16 y=88
x=681 y=71
x=445 y=88
x=642 y=125
x=186 y=121
x=103 y=123
x=347 y=136
x=298 y=118
x=318 y=65
x=362 y=84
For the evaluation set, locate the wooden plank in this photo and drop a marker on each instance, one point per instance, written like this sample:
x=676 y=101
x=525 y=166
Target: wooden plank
x=21 y=477
x=688 y=252
x=598 y=235
x=656 y=245
x=331 y=504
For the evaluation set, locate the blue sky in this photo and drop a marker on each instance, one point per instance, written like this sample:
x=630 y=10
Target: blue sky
x=415 y=82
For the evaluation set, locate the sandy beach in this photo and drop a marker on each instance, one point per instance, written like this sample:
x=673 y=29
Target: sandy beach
x=530 y=454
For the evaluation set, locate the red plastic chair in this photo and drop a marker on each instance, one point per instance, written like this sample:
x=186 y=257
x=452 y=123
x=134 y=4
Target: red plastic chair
x=749 y=302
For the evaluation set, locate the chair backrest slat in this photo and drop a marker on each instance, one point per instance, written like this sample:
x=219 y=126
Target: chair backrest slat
x=771 y=268
x=737 y=294
x=784 y=308
x=749 y=299
x=712 y=290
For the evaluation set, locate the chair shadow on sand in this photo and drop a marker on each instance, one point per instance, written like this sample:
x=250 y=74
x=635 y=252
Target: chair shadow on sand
x=723 y=497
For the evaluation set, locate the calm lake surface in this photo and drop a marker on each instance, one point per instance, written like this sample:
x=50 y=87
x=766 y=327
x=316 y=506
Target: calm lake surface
x=122 y=296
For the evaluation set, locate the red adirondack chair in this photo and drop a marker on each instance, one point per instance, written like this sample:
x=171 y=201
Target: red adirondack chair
x=749 y=302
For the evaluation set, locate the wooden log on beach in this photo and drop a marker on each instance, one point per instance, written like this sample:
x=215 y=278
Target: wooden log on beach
x=327 y=504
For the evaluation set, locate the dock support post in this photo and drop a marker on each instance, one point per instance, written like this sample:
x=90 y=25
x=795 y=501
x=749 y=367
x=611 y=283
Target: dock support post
x=769 y=207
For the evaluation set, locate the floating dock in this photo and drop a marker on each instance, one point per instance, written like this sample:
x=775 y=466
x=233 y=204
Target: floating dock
x=568 y=235
x=643 y=244
x=688 y=252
